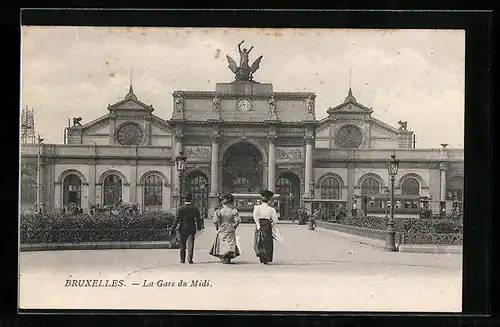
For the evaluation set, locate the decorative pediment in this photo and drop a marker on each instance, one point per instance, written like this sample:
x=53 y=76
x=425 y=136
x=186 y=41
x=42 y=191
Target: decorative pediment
x=383 y=128
x=130 y=102
x=350 y=105
x=97 y=125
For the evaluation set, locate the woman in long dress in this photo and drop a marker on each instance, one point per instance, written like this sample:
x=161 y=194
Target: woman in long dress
x=265 y=217
x=226 y=220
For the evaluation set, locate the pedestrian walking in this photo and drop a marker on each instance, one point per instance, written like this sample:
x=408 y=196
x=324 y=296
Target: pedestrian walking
x=226 y=220
x=265 y=217
x=189 y=221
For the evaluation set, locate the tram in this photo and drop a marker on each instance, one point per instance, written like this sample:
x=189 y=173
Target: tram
x=244 y=203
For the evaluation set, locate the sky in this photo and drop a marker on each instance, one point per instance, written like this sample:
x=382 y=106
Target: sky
x=411 y=75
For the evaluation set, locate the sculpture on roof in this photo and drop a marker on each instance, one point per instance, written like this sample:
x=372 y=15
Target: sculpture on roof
x=76 y=122
x=178 y=103
x=402 y=125
x=272 y=108
x=244 y=72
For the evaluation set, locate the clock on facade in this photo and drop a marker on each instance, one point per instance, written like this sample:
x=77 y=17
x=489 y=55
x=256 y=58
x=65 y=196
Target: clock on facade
x=349 y=137
x=130 y=134
x=244 y=105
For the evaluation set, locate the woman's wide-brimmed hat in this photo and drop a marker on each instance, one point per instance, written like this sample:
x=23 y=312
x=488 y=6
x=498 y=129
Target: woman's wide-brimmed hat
x=227 y=198
x=266 y=194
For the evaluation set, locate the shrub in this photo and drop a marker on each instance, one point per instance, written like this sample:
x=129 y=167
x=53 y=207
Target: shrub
x=47 y=228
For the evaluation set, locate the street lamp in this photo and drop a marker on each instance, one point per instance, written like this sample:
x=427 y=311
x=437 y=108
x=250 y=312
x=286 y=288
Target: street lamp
x=392 y=167
x=387 y=194
x=180 y=164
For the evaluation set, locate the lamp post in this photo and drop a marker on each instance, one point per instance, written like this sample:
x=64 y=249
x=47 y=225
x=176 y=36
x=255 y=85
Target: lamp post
x=38 y=176
x=180 y=165
x=392 y=167
x=387 y=203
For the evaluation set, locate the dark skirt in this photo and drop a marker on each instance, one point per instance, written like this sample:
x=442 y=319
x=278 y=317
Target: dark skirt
x=263 y=241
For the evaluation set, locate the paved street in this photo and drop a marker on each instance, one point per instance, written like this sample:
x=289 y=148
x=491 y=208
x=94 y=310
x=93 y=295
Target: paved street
x=313 y=270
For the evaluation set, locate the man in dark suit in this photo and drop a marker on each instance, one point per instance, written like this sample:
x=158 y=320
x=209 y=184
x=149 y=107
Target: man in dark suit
x=189 y=221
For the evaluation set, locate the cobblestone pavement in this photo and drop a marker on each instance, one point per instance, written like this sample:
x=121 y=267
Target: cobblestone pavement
x=313 y=270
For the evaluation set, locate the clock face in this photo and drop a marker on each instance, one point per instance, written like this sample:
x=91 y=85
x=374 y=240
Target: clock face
x=244 y=105
x=130 y=134
x=349 y=137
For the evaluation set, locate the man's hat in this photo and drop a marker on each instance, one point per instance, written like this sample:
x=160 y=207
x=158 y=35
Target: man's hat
x=266 y=194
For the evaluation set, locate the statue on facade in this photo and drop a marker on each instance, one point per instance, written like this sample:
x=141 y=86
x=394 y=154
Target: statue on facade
x=178 y=103
x=216 y=105
x=244 y=72
x=272 y=108
x=402 y=125
x=310 y=106
x=76 y=122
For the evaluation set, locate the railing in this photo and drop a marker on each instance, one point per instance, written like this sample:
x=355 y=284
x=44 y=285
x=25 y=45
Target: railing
x=401 y=237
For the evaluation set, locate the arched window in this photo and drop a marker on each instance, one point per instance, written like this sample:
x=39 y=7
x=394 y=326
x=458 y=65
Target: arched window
x=370 y=186
x=410 y=186
x=456 y=188
x=153 y=191
x=112 y=190
x=28 y=189
x=72 y=190
x=330 y=188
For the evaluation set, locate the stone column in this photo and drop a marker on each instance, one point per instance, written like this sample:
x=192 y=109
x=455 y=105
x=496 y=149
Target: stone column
x=214 y=172
x=442 y=171
x=308 y=165
x=350 y=187
x=112 y=128
x=133 y=178
x=92 y=183
x=178 y=149
x=443 y=166
x=213 y=200
x=148 y=130
x=271 y=162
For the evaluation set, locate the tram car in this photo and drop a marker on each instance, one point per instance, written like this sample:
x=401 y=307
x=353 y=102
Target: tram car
x=244 y=203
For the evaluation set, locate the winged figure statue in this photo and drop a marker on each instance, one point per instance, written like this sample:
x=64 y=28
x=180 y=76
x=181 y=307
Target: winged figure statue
x=243 y=72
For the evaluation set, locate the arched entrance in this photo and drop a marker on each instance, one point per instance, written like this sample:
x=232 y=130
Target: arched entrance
x=72 y=190
x=288 y=187
x=197 y=185
x=242 y=169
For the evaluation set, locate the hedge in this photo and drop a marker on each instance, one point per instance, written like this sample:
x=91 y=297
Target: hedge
x=54 y=228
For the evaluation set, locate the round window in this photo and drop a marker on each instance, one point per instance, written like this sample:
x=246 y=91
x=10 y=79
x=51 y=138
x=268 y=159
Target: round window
x=130 y=134
x=349 y=137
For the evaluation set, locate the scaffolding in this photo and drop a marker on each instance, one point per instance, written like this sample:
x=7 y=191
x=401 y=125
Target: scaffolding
x=28 y=126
